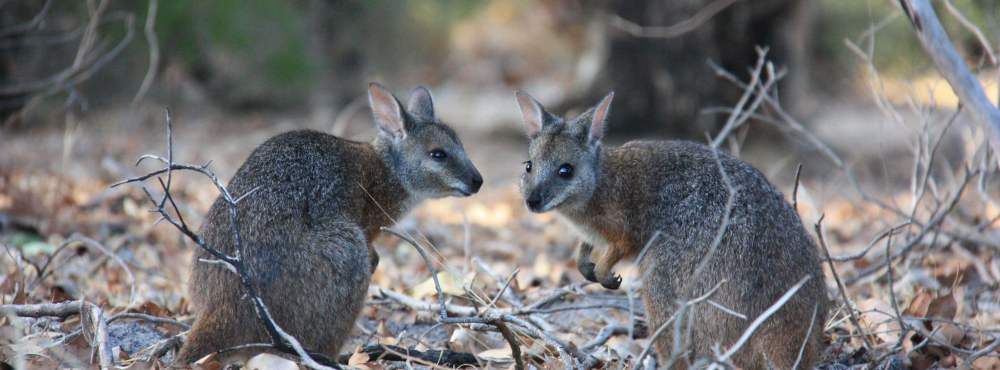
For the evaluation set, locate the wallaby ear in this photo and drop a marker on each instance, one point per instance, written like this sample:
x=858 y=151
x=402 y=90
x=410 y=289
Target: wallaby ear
x=532 y=112
x=386 y=111
x=421 y=103
x=599 y=118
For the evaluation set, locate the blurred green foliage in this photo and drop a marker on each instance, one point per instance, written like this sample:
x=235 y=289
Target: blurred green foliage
x=259 y=47
x=896 y=50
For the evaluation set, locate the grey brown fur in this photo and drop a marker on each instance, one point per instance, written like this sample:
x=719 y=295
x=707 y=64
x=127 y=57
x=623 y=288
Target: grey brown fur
x=307 y=229
x=619 y=198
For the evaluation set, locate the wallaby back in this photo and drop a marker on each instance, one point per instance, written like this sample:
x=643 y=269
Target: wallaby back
x=666 y=201
x=306 y=231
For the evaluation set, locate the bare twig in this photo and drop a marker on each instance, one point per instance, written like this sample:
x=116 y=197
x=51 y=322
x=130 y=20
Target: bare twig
x=675 y=30
x=795 y=188
x=984 y=42
x=515 y=348
x=742 y=112
x=763 y=317
x=605 y=334
x=29 y=25
x=154 y=52
x=60 y=310
x=805 y=340
x=683 y=307
x=489 y=316
x=941 y=51
x=105 y=356
x=840 y=285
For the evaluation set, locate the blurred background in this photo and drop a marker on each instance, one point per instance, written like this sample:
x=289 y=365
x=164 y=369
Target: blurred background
x=306 y=63
x=84 y=85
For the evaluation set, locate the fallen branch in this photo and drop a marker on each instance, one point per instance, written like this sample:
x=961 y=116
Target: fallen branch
x=395 y=353
x=61 y=310
x=492 y=317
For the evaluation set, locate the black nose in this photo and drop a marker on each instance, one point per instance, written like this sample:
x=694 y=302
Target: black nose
x=534 y=201
x=477 y=182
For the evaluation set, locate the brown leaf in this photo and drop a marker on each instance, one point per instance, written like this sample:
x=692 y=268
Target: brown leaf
x=949 y=333
x=943 y=307
x=919 y=305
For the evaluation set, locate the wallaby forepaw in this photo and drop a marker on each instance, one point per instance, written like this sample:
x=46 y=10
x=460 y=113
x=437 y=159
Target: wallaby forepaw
x=587 y=269
x=373 y=260
x=612 y=282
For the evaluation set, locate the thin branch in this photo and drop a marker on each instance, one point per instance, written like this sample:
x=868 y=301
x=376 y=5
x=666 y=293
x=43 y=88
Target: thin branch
x=674 y=30
x=984 y=42
x=840 y=285
x=154 y=52
x=947 y=60
x=763 y=317
x=60 y=310
x=662 y=327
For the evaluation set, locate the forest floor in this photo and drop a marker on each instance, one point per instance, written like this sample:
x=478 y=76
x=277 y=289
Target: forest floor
x=67 y=237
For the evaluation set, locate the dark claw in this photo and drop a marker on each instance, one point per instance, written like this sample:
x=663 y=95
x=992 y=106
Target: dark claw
x=587 y=269
x=373 y=259
x=613 y=282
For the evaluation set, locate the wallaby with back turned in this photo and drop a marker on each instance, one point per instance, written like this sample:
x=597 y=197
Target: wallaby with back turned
x=318 y=202
x=670 y=198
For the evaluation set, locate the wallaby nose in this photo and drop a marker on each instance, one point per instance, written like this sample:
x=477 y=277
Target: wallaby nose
x=477 y=182
x=534 y=201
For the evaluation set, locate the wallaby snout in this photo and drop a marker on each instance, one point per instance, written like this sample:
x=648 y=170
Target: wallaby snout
x=534 y=201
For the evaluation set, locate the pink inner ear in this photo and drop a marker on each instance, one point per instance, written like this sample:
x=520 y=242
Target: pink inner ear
x=531 y=112
x=387 y=112
x=599 y=119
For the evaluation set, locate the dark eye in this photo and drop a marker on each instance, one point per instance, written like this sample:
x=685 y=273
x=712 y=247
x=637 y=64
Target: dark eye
x=566 y=171
x=527 y=166
x=438 y=154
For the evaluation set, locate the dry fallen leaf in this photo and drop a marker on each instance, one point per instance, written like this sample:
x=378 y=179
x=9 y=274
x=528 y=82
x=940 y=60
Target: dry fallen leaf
x=450 y=284
x=919 y=305
x=358 y=358
x=497 y=355
x=943 y=307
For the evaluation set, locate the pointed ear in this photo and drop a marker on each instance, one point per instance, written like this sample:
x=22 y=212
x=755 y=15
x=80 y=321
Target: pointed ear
x=386 y=111
x=532 y=112
x=421 y=103
x=599 y=118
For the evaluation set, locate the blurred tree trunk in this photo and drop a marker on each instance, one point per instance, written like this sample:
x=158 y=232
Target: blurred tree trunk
x=665 y=82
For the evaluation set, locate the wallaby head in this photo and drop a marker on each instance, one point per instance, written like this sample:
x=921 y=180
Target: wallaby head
x=422 y=151
x=563 y=155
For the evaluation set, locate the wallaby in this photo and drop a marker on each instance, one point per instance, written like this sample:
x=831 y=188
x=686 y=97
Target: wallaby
x=318 y=201
x=669 y=198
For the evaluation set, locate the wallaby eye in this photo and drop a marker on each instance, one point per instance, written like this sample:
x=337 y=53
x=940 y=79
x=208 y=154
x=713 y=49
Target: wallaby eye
x=566 y=170
x=438 y=154
x=527 y=166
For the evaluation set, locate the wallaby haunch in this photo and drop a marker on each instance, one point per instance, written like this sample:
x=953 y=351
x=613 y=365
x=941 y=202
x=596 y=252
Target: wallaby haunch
x=671 y=196
x=307 y=229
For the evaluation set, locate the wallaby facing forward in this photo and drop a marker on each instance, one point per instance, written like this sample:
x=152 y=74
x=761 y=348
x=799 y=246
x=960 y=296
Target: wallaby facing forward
x=308 y=227
x=620 y=198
